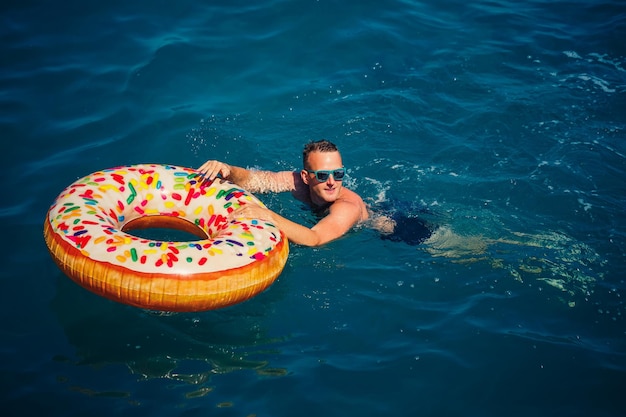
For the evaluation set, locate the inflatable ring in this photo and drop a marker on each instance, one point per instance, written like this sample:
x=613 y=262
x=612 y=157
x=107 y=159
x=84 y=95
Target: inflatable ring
x=86 y=233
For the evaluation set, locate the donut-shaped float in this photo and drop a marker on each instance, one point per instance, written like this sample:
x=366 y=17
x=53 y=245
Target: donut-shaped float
x=233 y=260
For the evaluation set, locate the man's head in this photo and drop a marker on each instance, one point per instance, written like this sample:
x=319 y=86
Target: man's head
x=322 y=145
x=323 y=171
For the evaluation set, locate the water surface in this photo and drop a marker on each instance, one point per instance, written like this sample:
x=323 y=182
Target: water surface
x=499 y=125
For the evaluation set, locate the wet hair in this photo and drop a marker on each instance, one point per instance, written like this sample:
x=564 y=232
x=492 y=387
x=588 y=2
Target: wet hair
x=322 y=145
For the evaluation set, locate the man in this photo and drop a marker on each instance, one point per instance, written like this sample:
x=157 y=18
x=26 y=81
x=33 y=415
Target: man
x=319 y=184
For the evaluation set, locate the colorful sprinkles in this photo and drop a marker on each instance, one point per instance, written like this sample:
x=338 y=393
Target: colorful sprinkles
x=91 y=213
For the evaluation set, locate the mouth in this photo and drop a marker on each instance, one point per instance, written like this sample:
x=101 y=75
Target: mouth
x=332 y=190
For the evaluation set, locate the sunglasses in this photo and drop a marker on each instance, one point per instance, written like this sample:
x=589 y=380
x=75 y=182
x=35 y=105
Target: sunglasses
x=322 y=174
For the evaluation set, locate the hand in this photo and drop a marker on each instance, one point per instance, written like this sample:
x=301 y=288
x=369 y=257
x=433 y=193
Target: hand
x=384 y=224
x=252 y=211
x=211 y=169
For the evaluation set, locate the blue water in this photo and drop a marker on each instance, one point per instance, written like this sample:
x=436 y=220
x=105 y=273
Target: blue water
x=500 y=125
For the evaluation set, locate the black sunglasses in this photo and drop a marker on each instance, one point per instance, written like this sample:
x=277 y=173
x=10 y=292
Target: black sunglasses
x=322 y=174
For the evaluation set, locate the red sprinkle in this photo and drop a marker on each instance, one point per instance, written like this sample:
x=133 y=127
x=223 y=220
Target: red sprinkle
x=118 y=178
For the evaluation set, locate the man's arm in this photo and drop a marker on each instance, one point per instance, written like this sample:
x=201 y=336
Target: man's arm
x=252 y=180
x=342 y=216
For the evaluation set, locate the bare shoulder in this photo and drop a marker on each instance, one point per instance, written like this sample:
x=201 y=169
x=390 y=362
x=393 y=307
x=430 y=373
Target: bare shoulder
x=350 y=200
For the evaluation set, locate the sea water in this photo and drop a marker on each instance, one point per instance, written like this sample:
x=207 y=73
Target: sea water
x=493 y=132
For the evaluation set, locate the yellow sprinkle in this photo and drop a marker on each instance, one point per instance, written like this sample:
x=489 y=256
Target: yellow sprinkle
x=120 y=258
x=151 y=211
x=169 y=204
x=144 y=181
x=211 y=192
x=99 y=239
x=149 y=196
x=197 y=210
x=149 y=251
x=106 y=187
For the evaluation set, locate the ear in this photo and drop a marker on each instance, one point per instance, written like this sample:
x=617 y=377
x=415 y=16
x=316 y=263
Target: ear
x=305 y=176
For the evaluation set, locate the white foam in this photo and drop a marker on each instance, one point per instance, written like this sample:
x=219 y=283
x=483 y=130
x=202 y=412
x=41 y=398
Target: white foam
x=572 y=54
x=604 y=85
x=586 y=206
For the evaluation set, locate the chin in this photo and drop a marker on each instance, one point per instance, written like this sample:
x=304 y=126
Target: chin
x=330 y=197
x=323 y=199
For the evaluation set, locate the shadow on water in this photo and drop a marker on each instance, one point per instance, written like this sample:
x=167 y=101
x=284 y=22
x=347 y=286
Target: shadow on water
x=409 y=229
x=408 y=219
x=187 y=347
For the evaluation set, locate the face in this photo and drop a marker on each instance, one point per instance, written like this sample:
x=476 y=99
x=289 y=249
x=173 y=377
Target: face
x=322 y=192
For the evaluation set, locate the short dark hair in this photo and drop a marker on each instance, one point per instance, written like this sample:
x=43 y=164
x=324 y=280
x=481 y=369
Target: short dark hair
x=321 y=145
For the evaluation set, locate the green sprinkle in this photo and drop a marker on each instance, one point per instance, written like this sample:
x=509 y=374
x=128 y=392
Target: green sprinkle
x=133 y=194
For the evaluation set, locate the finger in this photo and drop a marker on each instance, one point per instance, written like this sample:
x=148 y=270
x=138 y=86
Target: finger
x=237 y=213
x=221 y=169
x=209 y=169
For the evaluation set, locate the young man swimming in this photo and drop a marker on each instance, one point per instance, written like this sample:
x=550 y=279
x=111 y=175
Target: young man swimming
x=319 y=184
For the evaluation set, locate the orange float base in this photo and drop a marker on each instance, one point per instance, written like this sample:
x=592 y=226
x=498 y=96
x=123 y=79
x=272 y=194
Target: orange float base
x=167 y=292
